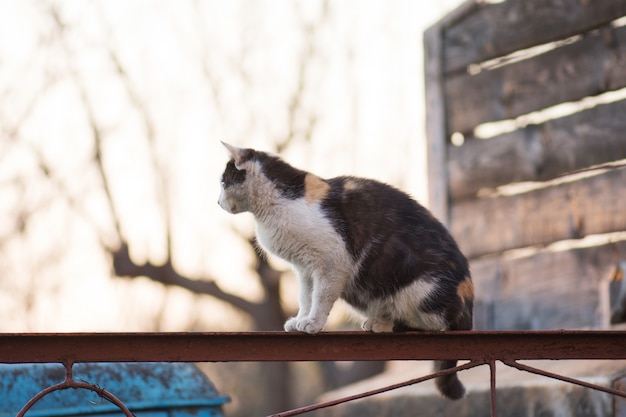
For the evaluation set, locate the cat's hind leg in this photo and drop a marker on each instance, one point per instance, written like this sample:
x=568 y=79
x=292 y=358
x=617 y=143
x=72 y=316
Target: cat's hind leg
x=378 y=315
x=377 y=325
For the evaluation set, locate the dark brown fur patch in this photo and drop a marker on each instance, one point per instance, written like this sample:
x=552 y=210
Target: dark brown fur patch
x=315 y=189
x=232 y=175
x=465 y=290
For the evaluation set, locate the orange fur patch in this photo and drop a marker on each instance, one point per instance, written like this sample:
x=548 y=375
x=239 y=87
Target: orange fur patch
x=465 y=290
x=350 y=185
x=315 y=188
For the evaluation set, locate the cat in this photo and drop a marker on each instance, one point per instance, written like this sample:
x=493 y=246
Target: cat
x=357 y=239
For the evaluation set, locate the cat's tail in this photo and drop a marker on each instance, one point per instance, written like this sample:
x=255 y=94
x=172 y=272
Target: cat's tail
x=449 y=385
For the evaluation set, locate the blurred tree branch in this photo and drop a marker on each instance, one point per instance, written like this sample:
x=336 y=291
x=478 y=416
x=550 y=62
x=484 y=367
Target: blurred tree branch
x=159 y=169
x=91 y=118
x=299 y=118
x=167 y=274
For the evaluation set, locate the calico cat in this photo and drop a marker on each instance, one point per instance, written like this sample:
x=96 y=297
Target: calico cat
x=356 y=239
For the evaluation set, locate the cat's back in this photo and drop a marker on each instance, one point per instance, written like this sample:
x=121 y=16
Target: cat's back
x=368 y=213
x=371 y=204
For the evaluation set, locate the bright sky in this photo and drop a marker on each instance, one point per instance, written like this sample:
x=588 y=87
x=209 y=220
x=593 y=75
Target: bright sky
x=203 y=72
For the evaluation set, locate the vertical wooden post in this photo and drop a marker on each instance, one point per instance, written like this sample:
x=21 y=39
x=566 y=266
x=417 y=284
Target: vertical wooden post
x=435 y=124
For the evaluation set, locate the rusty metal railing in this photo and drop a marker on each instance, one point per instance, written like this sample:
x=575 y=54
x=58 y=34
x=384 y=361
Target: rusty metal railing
x=70 y=382
x=477 y=347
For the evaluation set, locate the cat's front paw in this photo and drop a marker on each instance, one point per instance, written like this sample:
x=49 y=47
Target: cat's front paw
x=377 y=326
x=305 y=325
x=291 y=325
x=310 y=325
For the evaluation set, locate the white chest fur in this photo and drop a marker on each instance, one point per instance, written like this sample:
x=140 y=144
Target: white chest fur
x=298 y=232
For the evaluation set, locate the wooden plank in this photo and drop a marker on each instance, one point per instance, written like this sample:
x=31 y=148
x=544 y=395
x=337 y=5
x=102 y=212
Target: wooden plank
x=539 y=152
x=500 y=29
x=593 y=65
x=436 y=145
x=565 y=211
x=436 y=138
x=549 y=290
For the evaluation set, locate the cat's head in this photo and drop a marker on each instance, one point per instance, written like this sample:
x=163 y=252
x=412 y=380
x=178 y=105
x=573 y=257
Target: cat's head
x=236 y=182
x=254 y=181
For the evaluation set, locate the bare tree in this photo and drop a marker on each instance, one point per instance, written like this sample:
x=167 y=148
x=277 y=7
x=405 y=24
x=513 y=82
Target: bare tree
x=116 y=243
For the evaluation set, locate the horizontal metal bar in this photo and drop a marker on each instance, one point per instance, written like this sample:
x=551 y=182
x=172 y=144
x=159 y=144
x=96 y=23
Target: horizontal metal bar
x=281 y=346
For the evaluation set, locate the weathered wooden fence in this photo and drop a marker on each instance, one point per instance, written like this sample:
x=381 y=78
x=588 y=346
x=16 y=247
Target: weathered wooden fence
x=544 y=80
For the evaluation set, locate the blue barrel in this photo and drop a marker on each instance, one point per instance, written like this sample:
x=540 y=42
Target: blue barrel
x=146 y=389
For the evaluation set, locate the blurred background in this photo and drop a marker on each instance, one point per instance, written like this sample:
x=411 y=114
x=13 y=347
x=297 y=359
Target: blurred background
x=111 y=116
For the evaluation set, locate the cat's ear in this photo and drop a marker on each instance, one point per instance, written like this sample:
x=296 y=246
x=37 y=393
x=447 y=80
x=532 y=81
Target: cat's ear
x=238 y=154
